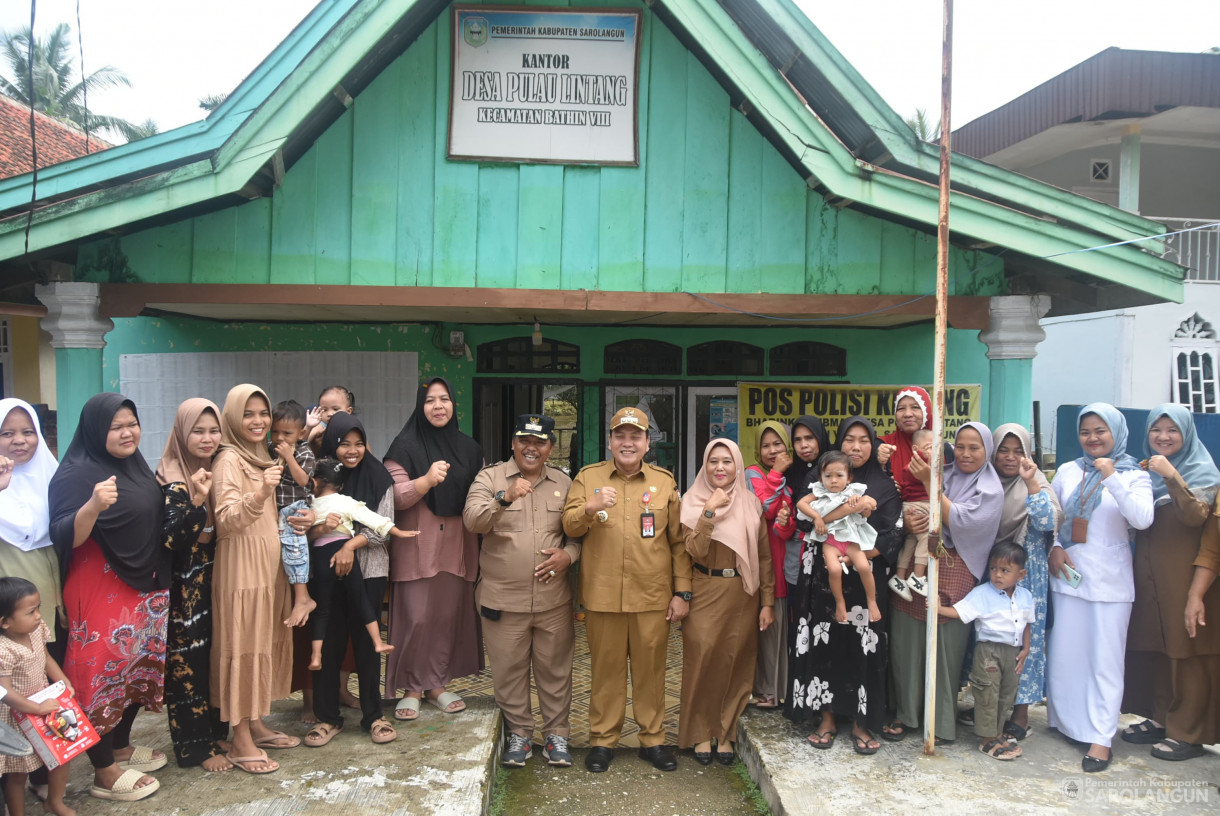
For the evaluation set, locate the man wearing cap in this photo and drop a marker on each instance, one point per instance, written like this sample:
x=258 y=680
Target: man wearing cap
x=634 y=581
x=523 y=593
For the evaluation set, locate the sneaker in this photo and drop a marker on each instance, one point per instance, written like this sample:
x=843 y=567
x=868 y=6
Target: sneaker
x=556 y=751
x=918 y=584
x=517 y=752
x=899 y=588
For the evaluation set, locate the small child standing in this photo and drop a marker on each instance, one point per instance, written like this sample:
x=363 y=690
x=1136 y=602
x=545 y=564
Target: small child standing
x=25 y=667
x=832 y=509
x=915 y=548
x=291 y=497
x=1001 y=612
x=328 y=479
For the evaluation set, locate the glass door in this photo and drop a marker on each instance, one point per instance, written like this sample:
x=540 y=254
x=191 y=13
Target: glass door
x=711 y=411
x=660 y=404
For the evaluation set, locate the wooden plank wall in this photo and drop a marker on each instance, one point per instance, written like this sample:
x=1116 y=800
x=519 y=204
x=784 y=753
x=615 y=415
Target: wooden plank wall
x=711 y=208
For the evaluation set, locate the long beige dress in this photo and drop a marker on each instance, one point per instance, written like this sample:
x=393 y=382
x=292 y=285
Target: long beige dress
x=251 y=647
x=719 y=638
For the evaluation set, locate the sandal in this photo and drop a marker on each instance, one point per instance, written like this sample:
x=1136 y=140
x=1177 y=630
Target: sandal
x=896 y=731
x=1000 y=749
x=861 y=745
x=277 y=740
x=124 y=788
x=407 y=709
x=1177 y=750
x=144 y=759
x=1143 y=733
x=765 y=702
x=1015 y=731
x=445 y=700
x=382 y=732
x=828 y=739
x=241 y=762
x=321 y=734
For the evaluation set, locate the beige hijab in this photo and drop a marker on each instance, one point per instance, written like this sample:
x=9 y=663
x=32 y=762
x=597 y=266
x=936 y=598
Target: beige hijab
x=1014 y=519
x=736 y=525
x=177 y=464
x=254 y=453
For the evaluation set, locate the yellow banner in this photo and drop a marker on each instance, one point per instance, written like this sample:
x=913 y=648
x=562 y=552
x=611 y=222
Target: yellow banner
x=758 y=402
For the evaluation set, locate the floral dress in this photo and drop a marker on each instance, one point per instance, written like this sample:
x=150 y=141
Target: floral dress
x=1038 y=533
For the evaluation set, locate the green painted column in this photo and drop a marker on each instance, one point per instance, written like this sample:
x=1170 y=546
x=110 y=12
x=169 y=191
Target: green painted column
x=77 y=330
x=1012 y=339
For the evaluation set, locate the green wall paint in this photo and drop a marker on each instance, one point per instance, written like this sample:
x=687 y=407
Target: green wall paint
x=713 y=207
x=78 y=376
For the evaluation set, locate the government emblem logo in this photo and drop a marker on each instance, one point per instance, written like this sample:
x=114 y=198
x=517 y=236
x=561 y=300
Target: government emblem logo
x=474 y=31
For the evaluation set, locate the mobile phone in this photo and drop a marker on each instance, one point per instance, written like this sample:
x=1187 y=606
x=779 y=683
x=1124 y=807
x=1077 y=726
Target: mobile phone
x=1070 y=575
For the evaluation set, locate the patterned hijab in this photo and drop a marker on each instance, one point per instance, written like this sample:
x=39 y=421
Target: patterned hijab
x=977 y=503
x=736 y=524
x=1014 y=521
x=177 y=464
x=25 y=520
x=1193 y=463
x=1090 y=485
x=911 y=488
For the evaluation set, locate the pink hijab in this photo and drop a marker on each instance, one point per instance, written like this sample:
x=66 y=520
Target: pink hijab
x=736 y=525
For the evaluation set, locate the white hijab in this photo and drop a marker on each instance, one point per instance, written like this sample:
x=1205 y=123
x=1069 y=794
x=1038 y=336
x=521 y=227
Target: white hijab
x=24 y=517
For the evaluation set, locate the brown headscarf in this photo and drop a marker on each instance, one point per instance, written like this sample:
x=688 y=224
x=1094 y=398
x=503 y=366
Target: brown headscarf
x=254 y=453
x=736 y=524
x=177 y=464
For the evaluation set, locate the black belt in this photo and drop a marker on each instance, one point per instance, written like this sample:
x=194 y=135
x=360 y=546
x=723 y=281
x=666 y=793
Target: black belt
x=724 y=573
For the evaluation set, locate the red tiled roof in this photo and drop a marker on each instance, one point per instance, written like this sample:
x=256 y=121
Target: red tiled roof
x=57 y=141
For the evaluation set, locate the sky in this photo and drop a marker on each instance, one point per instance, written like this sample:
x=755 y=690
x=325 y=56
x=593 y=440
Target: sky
x=174 y=54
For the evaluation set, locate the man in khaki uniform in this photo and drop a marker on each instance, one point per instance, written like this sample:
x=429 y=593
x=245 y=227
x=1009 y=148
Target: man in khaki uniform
x=634 y=580
x=523 y=593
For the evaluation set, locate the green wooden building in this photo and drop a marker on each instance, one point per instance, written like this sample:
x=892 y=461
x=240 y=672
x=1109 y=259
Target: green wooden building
x=778 y=225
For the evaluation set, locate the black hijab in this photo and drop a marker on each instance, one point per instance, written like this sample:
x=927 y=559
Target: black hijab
x=888 y=515
x=420 y=443
x=129 y=531
x=801 y=475
x=368 y=481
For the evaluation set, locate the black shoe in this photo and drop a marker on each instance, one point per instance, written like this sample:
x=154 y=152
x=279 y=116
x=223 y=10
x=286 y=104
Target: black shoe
x=726 y=759
x=1091 y=764
x=661 y=758
x=599 y=759
x=703 y=757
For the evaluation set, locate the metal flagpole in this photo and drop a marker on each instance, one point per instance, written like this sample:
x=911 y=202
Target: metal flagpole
x=938 y=388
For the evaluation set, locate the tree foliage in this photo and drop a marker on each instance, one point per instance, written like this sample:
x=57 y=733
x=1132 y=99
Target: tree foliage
x=922 y=125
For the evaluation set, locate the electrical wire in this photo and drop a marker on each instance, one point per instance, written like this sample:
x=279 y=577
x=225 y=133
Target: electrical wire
x=29 y=221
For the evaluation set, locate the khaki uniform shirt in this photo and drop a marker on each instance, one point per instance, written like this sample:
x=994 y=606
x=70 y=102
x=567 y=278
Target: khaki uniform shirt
x=622 y=570
x=513 y=537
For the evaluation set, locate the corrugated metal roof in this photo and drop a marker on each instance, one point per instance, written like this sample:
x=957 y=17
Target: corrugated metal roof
x=1113 y=84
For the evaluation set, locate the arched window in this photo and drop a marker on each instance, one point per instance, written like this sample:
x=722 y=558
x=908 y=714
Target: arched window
x=643 y=357
x=519 y=355
x=1194 y=350
x=724 y=358
x=806 y=358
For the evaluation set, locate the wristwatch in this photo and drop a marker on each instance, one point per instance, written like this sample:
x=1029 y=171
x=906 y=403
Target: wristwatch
x=686 y=596
x=500 y=498
x=709 y=514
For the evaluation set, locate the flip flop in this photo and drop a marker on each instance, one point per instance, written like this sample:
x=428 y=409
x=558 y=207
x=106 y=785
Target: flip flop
x=407 y=709
x=124 y=788
x=240 y=762
x=445 y=700
x=897 y=732
x=382 y=732
x=144 y=759
x=277 y=740
x=321 y=734
x=828 y=736
x=861 y=745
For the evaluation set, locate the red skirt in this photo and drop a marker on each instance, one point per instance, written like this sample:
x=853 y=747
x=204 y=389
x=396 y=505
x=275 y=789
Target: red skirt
x=116 y=639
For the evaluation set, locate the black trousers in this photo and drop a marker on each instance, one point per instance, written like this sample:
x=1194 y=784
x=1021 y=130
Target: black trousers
x=341 y=626
x=102 y=754
x=329 y=590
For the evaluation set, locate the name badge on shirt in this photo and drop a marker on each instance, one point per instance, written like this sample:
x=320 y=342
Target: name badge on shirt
x=648 y=526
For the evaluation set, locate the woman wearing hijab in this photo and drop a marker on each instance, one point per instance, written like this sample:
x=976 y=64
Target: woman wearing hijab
x=726 y=536
x=841 y=671
x=433 y=625
x=971 y=506
x=1030 y=517
x=251 y=646
x=195 y=726
x=1104 y=493
x=107 y=513
x=369 y=482
x=26 y=468
x=1173 y=679
x=767 y=478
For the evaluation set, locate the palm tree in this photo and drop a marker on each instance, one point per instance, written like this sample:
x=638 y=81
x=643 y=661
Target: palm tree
x=211 y=102
x=55 y=91
x=923 y=126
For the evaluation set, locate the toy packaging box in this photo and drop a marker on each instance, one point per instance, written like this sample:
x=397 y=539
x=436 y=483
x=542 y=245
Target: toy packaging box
x=58 y=737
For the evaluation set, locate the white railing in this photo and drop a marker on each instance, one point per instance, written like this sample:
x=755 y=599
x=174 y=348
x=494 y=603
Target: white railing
x=1197 y=250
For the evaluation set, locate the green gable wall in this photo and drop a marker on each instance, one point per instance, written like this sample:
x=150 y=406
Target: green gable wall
x=712 y=207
